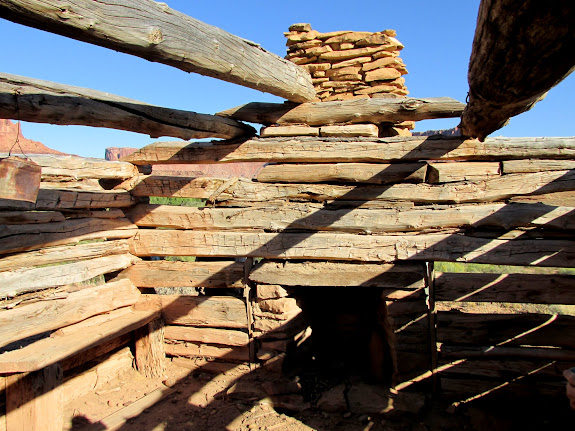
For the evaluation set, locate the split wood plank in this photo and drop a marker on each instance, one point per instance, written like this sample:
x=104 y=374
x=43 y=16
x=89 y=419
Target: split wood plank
x=538 y=43
x=342 y=246
x=236 y=353
x=30 y=217
x=150 y=353
x=155 y=32
x=365 y=150
x=521 y=288
x=536 y=165
x=16 y=238
x=185 y=274
x=221 y=189
x=347 y=111
x=462 y=171
x=52 y=350
x=211 y=311
x=225 y=337
x=40 y=317
x=33 y=100
x=315 y=217
x=53 y=255
x=344 y=172
x=26 y=280
x=505 y=329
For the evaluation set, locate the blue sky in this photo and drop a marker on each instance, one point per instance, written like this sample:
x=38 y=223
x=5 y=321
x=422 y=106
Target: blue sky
x=437 y=38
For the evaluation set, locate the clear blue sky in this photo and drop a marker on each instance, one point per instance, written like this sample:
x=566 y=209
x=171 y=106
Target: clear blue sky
x=437 y=36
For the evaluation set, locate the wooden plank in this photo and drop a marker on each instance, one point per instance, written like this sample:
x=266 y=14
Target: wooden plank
x=464 y=352
x=356 y=150
x=400 y=275
x=344 y=172
x=157 y=33
x=21 y=217
x=508 y=329
x=39 y=317
x=236 y=353
x=95 y=352
x=219 y=189
x=316 y=217
x=15 y=238
x=185 y=274
x=53 y=255
x=541 y=57
x=521 y=288
x=33 y=100
x=51 y=350
x=462 y=171
x=379 y=248
x=104 y=213
x=25 y=280
x=226 y=337
x=535 y=165
x=34 y=400
x=210 y=311
x=566 y=199
x=150 y=353
x=347 y=111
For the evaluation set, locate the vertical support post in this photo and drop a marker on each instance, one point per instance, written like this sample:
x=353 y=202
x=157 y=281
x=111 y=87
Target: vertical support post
x=248 y=296
x=430 y=281
x=34 y=400
x=150 y=352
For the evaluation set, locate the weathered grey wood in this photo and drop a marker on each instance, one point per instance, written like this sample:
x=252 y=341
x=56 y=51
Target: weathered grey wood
x=226 y=337
x=39 y=317
x=462 y=171
x=153 y=31
x=220 y=189
x=510 y=329
x=342 y=246
x=32 y=237
x=185 y=274
x=521 y=49
x=21 y=217
x=344 y=172
x=549 y=353
x=315 y=217
x=150 y=354
x=368 y=150
x=211 y=311
x=566 y=199
x=53 y=255
x=347 y=111
x=235 y=353
x=522 y=288
x=536 y=165
x=28 y=99
x=25 y=280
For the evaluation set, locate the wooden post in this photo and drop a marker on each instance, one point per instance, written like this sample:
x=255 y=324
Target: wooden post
x=34 y=400
x=150 y=353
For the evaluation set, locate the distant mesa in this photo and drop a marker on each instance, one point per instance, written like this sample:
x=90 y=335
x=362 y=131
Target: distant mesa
x=445 y=132
x=8 y=133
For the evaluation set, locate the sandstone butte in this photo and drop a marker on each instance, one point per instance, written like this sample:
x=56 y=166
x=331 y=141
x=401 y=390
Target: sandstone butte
x=8 y=133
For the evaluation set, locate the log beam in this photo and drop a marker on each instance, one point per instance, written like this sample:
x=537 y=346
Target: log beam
x=153 y=31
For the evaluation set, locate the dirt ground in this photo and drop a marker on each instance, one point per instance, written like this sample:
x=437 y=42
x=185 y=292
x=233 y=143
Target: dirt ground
x=236 y=401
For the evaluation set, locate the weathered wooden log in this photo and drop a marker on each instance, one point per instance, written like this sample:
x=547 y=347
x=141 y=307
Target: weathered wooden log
x=367 y=150
x=39 y=101
x=153 y=31
x=344 y=172
x=508 y=369
x=35 y=236
x=185 y=274
x=347 y=111
x=566 y=199
x=462 y=171
x=508 y=329
x=220 y=189
x=92 y=321
x=104 y=213
x=25 y=280
x=522 y=288
x=342 y=246
x=535 y=165
x=21 y=217
x=534 y=42
x=53 y=255
x=464 y=352
x=150 y=353
x=499 y=391
x=39 y=317
x=96 y=351
x=315 y=217
x=236 y=353
x=211 y=311
x=225 y=337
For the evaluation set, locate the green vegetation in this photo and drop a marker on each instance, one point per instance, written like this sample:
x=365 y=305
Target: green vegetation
x=498 y=269
x=179 y=202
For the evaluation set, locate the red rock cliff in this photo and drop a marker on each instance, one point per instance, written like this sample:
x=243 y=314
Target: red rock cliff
x=9 y=131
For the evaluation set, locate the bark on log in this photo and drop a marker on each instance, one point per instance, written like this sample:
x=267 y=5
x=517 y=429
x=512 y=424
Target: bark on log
x=39 y=317
x=366 y=150
x=380 y=248
x=347 y=111
x=521 y=288
x=39 y=101
x=521 y=49
x=220 y=190
x=344 y=172
x=32 y=237
x=153 y=31
x=185 y=274
x=225 y=337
